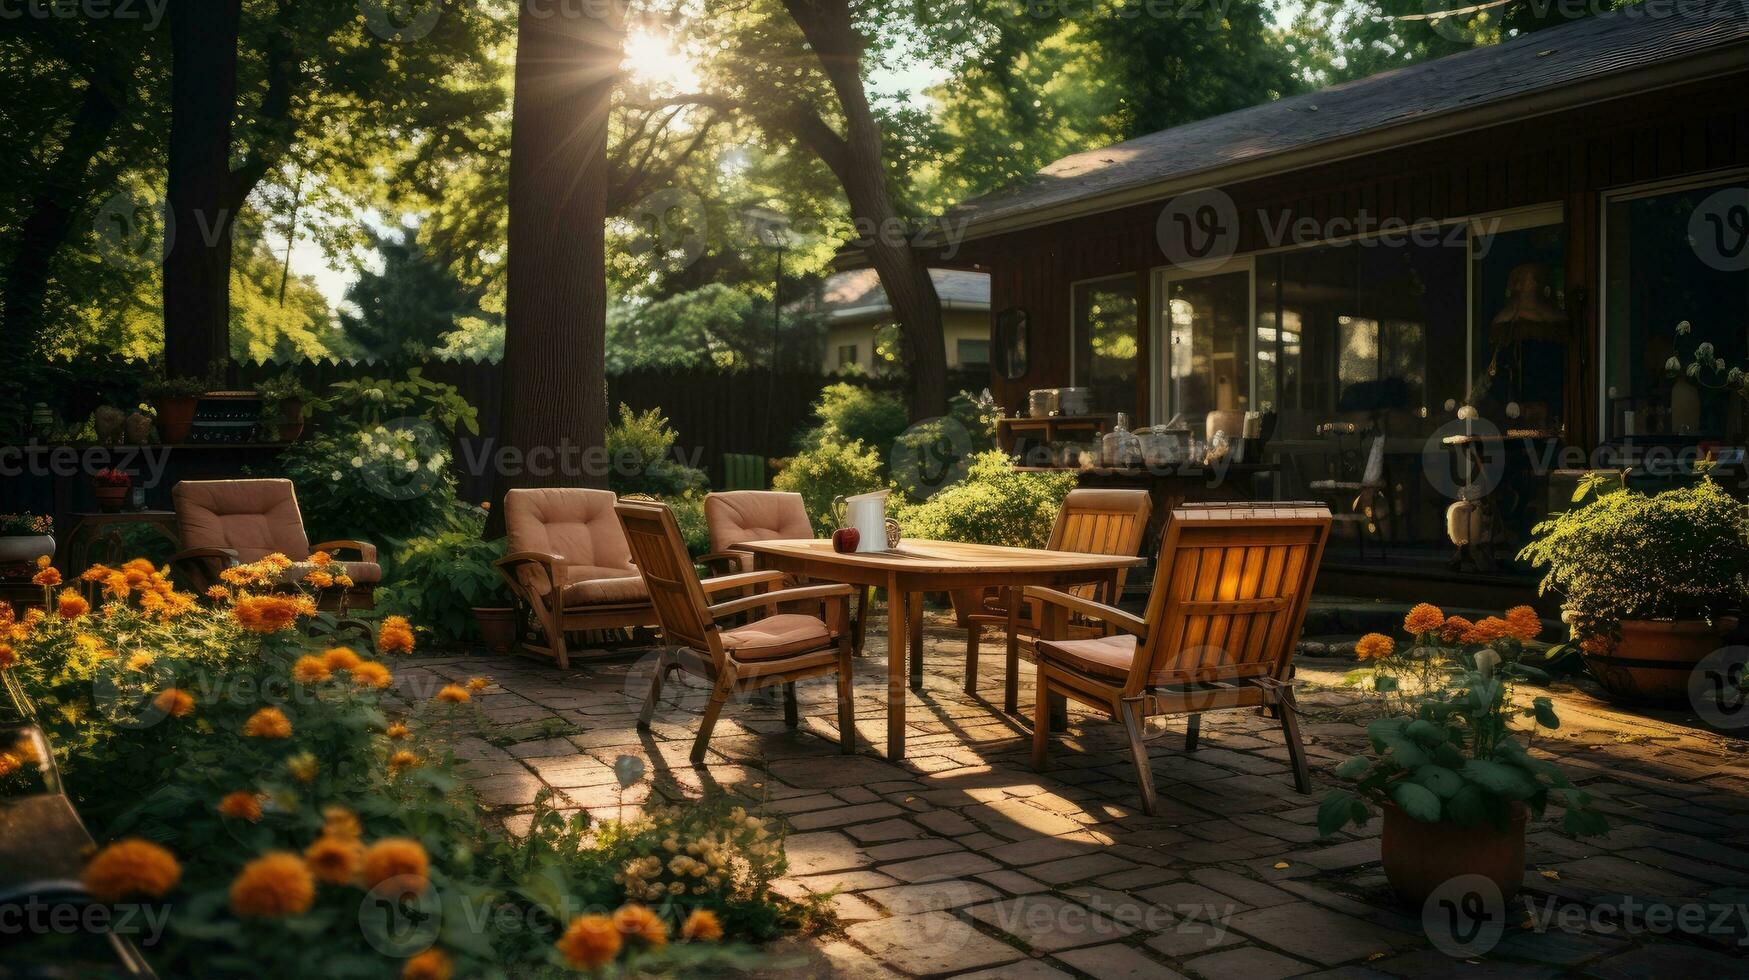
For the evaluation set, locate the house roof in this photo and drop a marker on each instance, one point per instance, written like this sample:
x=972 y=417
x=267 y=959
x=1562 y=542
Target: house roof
x=857 y=294
x=1627 y=51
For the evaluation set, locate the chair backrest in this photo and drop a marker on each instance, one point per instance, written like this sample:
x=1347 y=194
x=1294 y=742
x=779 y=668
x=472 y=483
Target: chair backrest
x=577 y=524
x=1230 y=593
x=738 y=516
x=669 y=575
x=1101 y=522
x=254 y=518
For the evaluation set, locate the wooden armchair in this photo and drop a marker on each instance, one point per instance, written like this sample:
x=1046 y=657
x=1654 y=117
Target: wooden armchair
x=738 y=516
x=226 y=522
x=776 y=649
x=1228 y=601
x=1093 y=521
x=569 y=567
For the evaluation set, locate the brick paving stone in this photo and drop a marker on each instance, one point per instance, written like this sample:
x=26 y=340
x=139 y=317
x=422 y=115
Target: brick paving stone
x=911 y=849
x=1047 y=923
x=1245 y=963
x=1028 y=970
x=1041 y=849
x=1317 y=933
x=1555 y=947
x=932 y=896
x=1077 y=868
x=1191 y=895
x=1018 y=820
x=853 y=880
x=929 y=943
x=960 y=864
x=1118 y=962
x=1251 y=892
x=1432 y=963
x=1137 y=878
x=884 y=831
x=811 y=854
x=1013 y=882
x=841 y=816
x=946 y=822
x=1660 y=960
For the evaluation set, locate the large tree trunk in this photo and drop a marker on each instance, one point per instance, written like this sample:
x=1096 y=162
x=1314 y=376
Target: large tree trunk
x=50 y=220
x=855 y=158
x=197 y=266
x=555 y=336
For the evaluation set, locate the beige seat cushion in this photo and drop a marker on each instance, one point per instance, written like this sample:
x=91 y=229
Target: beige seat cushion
x=777 y=636
x=361 y=573
x=254 y=518
x=576 y=524
x=1107 y=657
x=597 y=591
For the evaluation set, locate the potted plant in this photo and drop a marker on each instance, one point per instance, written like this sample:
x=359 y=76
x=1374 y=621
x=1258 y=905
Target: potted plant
x=1446 y=766
x=110 y=487
x=26 y=537
x=282 y=406
x=449 y=582
x=173 y=401
x=1649 y=584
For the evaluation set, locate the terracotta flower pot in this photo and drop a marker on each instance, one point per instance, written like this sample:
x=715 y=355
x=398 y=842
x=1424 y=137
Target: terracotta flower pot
x=291 y=420
x=1654 y=659
x=1420 y=857
x=109 y=498
x=497 y=627
x=175 y=417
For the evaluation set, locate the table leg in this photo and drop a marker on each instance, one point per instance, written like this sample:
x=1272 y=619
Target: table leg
x=914 y=619
x=897 y=637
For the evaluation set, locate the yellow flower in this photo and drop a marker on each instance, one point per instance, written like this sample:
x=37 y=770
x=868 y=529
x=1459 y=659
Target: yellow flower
x=702 y=926
x=131 y=867
x=1374 y=646
x=397 y=730
x=402 y=760
x=371 y=674
x=174 y=702
x=590 y=942
x=140 y=661
x=268 y=613
x=310 y=670
x=71 y=605
x=397 y=859
x=241 y=805
x=1423 y=619
x=454 y=694
x=639 y=923
x=273 y=885
x=344 y=581
x=433 y=964
x=340 y=658
x=337 y=821
x=334 y=859
x=218 y=593
x=1523 y=623
x=304 y=767
x=395 y=635
x=9 y=764
x=268 y=723
x=48 y=577
x=479 y=683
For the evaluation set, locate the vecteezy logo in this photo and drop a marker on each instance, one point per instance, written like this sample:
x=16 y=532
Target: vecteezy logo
x=401 y=21
x=1718 y=687
x=1464 y=459
x=931 y=456
x=1718 y=230
x=1199 y=230
x=127 y=226
x=668 y=228
x=1464 y=917
x=401 y=916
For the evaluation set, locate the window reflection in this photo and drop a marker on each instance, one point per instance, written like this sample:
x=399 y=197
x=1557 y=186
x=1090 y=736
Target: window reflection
x=1105 y=342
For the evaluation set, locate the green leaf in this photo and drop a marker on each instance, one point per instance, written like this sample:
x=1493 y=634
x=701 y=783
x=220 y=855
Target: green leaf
x=1405 y=752
x=1417 y=801
x=1544 y=710
x=628 y=769
x=1468 y=806
x=1500 y=779
x=1352 y=768
x=1426 y=732
x=1441 y=781
x=1338 y=810
x=1384 y=683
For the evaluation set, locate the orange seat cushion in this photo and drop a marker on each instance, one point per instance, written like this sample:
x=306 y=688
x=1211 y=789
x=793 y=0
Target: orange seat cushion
x=777 y=636
x=596 y=591
x=1101 y=656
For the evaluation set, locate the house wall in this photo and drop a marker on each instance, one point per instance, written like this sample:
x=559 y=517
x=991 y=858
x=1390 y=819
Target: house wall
x=956 y=325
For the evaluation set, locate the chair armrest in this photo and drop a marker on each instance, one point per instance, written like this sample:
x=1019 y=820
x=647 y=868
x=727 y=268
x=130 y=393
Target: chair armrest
x=768 y=599
x=547 y=562
x=725 y=562
x=366 y=550
x=1099 y=611
x=723 y=583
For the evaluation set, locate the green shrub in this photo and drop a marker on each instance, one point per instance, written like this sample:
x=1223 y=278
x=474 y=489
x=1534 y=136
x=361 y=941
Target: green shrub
x=689 y=514
x=828 y=471
x=378 y=485
x=993 y=504
x=437 y=580
x=852 y=413
x=640 y=450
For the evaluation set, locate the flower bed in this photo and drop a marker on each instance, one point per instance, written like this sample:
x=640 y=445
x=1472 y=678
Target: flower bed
x=262 y=796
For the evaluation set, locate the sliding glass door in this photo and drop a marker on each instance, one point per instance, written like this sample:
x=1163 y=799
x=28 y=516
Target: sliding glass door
x=1203 y=336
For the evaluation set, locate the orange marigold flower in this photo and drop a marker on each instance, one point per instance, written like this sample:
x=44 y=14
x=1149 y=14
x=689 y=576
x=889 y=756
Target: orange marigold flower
x=398 y=859
x=454 y=694
x=1524 y=623
x=479 y=683
x=174 y=702
x=9 y=764
x=320 y=558
x=590 y=942
x=402 y=760
x=337 y=821
x=268 y=723
x=7 y=656
x=1454 y=629
x=433 y=964
x=131 y=867
x=310 y=670
x=639 y=923
x=218 y=593
x=320 y=579
x=395 y=635
x=96 y=573
x=340 y=658
x=344 y=581
x=1487 y=631
x=48 y=577
x=266 y=613
x=397 y=730
x=71 y=605
x=1423 y=619
x=273 y=885
x=334 y=859
x=372 y=674
x=1374 y=646
x=702 y=926
x=241 y=805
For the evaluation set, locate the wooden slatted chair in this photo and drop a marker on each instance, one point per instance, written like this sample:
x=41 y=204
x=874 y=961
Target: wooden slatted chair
x=1226 y=609
x=778 y=649
x=1093 y=521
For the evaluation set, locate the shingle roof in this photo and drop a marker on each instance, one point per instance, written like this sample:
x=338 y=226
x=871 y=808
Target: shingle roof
x=1633 y=38
x=857 y=293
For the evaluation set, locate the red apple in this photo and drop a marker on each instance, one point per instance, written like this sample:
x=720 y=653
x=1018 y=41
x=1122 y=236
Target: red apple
x=845 y=540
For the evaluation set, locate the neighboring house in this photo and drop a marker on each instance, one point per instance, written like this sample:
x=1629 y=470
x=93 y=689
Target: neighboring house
x=859 y=321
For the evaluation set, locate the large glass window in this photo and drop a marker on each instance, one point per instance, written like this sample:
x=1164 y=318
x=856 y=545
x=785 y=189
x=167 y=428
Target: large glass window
x=1521 y=335
x=1674 y=257
x=1207 y=345
x=1105 y=325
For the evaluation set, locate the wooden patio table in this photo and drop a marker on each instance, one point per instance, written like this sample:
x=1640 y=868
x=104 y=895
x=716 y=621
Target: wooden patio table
x=919 y=566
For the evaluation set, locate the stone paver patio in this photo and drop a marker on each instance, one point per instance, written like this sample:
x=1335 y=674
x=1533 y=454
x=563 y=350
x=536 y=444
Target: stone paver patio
x=961 y=860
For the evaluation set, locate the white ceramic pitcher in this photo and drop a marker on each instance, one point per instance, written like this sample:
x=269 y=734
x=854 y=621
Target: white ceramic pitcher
x=867 y=512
